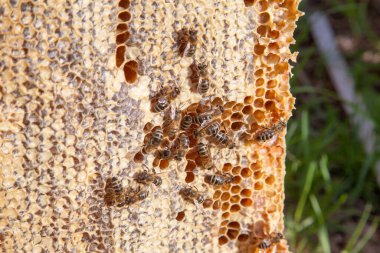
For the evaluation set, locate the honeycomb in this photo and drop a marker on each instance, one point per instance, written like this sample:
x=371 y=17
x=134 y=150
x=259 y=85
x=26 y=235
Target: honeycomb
x=76 y=87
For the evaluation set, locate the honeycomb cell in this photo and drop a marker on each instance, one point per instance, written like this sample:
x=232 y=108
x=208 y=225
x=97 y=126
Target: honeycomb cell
x=234 y=224
x=120 y=52
x=235 y=189
x=236 y=170
x=259 y=115
x=122 y=37
x=246 y=193
x=130 y=72
x=229 y=105
x=260 y=92
x=217 y=194
x=164 y=164
x=225 y=206
x=222 y=230
x=237 y=180
x=274 y=46
x=247 y=110
x=223 y=239
x=248 y=100
x=217 y=204
x=258 y=186
x=237 y=116
x=224 y=223
x=226 y=187
x=272 y=84
x=207 y=203
x=235 y=198
x=124 y=4
x=259 y=49
x=270 y=94
x=227 y=167
x=237 y=107
x=125 y=16
x=246 y=172
x=274 y=34
x=262 y=30
x=180 y=216
x=259 y=82
x=259 y=102
x=246 y=202
x=189 y=177
x=217 y=101
x=270 y=105
x=262 y=6
x=232 y=234
x=236 y=126
x=139 y=157
x=156 y=162
x=243 y=237
x=270 y=180
x=121 y=27
x=272 y=59
x=148 y=127
x=264 y=17
x=226 y=215
x=235 y=208
x=272 y=209
x=225 y=196
x=190 y=166
x=281 y=68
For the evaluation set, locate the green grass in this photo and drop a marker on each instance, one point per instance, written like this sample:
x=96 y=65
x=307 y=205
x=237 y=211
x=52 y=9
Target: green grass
x=330 y=183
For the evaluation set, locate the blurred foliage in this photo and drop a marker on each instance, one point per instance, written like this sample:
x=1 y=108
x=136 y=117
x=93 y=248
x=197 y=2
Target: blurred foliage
x=332 y=202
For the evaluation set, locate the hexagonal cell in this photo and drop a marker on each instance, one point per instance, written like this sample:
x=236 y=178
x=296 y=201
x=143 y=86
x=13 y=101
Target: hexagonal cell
x=262 y=30
x=229 y=105
x=269 y=180
x=190 y=166
x=207 y=203
x=155 y=162
x=225 y=196
x=217 y=101
x=120 y=52
x=237 y=116
x=237 y=107
x=235 y=208
x=222 y=240
x=217 y=194
x=259 y=49
x=246 y=193
x=236 y=126
x=274 y=34
x=258 y=186
x=148 y=127
x=259 y=115
x=224 y=223
x=235 y=198
x=270 y=105
x=236 y=170
x=232 y=234
x=246 y=172
x=227 y=167
x=217 y=204
x=243 y=237
x=225 y=206
x=270 y=94
x=125 y=16
x=189 y=177
x=180 y=216
x=259 y=102
x=272 y=84
x=246 y=202
x=164 y=164
x=130 y=71
x=138 y=158
x=237 y=180
x=249 y=3
x=264 y=17
x=248 y=100
x=247 y=110
x=226 y=187
x=222 y=230
x=274 y=46
x=226 y=124
x=121 y=28
x=260 y=92
x=122 y=37
x=259 y=82
x=124 y=4
x=225 y=215
x=272 y=209
x=234 y=224
x=235 y=189
x=262 y=6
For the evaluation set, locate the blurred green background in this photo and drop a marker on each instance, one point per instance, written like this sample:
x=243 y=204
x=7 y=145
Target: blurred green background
x=332 y=197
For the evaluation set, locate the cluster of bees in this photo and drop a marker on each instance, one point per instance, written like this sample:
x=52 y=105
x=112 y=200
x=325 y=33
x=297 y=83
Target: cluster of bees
x=185 y=132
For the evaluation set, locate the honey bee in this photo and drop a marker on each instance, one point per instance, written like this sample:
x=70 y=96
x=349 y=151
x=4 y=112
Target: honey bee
x=269 y=133
x=269 y=241
x=171 y=93
x=146 y=178
x=219 y=179
x=223 y=139
x=188 y=193
x=135 y=196
x=109 y=198
x=161 y=104
x=154 y=141
x=114 y=185
x=202 y=69
x=172 y=123
x=187 y=41
x=182 y=145
x=211 y=128
x=163 y=154
x=203 y=85
x=186 y=122
x=205 y=155
x=201 y=118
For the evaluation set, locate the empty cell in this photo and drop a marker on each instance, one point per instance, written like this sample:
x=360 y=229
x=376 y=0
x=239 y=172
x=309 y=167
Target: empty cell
x=234 y=224
x=122 y=37
x=164 y=164
x=270 y=105
x=246 y=193
x=259 y=102
x=124 y=4
x=237 y=180
x=247 y=110
x=217 y=101
x=217 y=194
x=272 y=59
x=246 y=172
x=225 y=196
x=235 y=208
x=246 y=202
x=237 y=116
x=235 y=189
x=227 y=167
x=217 y=204
x=274 y=34
x=130 y=74
x=180 y=216
x=207 y=203
x=226 y=215
x=225 y=206
x=262 y=6
x=273 y=47
x=189 y=177
x=237 y=107
x=120 y=52
x=148 y=127
x=235 y=199
x=259 y=49
x=270 y=94
x=190 y=166
x=236 y=126
x=260 y=92
x=272 y=84
x=139 y=157
x=222 y=240
x=262 y=30
x=248 y=100
x=121 y=27
x=236 y=170
x=259 y=115
x=224 y=223
x=269 y=180
x=264 y=17
x=258 y=186
x=222 y=230
x=125 y=16
x=259 y=82
x=232 y=234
